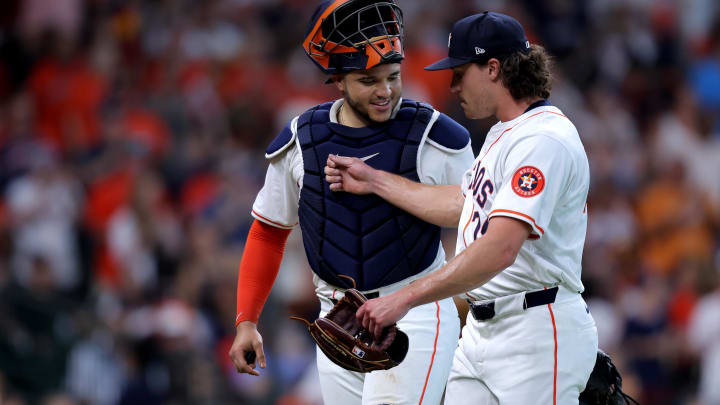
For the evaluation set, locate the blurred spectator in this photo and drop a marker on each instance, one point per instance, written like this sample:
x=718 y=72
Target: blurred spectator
x=704 y=337
x=67 y=94
x=95 y=370
x=145 y=238
x=62 y=16
x=22 y=147
x=44 y=207
x=681 y=136
x=673 y=221
x=210 y=36
x=39 y=332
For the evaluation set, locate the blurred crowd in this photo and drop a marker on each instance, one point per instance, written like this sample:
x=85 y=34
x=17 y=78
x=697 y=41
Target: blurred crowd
x=132 y=137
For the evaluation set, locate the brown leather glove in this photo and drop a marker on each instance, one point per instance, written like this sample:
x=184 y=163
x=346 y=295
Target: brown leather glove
x=344 y=340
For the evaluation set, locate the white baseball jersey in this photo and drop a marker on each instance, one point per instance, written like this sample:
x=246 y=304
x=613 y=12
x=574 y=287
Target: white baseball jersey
x=534 y=169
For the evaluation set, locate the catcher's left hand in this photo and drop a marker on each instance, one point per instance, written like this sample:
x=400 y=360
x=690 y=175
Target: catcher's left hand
x=351 y=346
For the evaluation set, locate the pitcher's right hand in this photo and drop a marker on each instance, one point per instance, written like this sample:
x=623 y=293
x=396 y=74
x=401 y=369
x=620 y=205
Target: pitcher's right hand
x=349 y=174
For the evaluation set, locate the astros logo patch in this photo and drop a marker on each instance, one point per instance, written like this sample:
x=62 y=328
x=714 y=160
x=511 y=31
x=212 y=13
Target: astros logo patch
x=528 y=181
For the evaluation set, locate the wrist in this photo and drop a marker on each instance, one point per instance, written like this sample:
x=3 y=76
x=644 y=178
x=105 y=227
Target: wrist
x=405 y=298
x=376 y=181
x=243 y=325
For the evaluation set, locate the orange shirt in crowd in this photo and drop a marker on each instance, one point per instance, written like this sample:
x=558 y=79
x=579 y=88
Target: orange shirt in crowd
x=673 y=227
x=67 y=99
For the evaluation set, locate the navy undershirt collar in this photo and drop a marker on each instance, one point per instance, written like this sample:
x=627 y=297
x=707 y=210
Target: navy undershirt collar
x=539 y=103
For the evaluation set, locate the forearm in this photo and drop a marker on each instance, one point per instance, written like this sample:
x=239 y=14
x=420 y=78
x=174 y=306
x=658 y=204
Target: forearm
x=481 y=261
x=463 y=273
x=258 y=269
x=438 y=204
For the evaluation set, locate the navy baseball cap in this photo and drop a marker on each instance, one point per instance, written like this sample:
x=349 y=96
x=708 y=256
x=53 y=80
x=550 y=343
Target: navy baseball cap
x=481 y=37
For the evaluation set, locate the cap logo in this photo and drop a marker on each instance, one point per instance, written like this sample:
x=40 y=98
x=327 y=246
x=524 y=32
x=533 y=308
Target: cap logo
x=449 y=38
x=479 y=51
x=527 y=44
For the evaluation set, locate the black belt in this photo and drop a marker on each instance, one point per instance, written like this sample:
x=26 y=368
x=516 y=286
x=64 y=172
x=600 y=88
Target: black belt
x=369 y=296
x=486 y=310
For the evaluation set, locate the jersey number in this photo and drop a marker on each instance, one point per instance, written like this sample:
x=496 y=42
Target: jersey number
x=482 y=228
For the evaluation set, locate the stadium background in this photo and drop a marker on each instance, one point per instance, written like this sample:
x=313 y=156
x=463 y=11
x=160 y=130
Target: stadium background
x=131 y=148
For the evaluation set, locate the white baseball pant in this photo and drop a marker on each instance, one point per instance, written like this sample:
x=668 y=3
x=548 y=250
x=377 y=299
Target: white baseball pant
x=539 y=355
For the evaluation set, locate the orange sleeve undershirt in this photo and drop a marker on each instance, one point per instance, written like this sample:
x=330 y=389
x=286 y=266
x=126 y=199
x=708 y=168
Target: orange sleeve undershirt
x=258 y=269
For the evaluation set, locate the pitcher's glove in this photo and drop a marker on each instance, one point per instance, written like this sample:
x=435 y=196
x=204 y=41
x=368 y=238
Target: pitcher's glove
x=344 y=340
x=605 y=384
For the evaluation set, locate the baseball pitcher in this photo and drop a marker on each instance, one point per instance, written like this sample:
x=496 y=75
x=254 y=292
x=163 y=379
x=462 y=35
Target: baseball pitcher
x=521 y=215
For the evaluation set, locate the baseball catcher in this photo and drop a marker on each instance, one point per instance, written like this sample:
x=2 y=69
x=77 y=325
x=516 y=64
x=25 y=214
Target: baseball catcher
x=358 y=46
x=344 y=340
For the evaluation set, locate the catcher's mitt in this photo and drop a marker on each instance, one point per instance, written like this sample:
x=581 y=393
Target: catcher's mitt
x=344 y=340
x=605 y=384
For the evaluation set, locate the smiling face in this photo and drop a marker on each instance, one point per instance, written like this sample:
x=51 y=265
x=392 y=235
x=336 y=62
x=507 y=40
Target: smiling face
x=475 y=86
x=371 y=94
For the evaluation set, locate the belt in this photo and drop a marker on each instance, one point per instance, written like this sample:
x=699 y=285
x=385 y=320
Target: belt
x=486 y=310
x=369 y=296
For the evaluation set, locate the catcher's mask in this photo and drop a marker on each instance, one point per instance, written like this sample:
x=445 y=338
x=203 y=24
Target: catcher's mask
x=347 y=35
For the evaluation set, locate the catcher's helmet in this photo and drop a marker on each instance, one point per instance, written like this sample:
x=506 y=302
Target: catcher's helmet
x=346 y=35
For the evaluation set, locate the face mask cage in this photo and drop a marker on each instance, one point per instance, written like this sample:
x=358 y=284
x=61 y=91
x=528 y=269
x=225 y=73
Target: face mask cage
x=355 y=25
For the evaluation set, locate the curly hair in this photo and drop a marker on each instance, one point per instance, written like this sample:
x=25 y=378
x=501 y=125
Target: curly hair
x=527 y=75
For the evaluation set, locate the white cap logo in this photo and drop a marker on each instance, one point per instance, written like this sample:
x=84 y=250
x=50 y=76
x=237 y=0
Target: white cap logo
x=479 y=51
x=527 y=44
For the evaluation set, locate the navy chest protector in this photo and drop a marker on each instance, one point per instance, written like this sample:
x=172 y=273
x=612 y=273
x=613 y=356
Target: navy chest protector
x=362 y=236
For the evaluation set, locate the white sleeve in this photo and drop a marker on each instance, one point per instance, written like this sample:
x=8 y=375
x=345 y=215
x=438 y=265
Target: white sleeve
x=277 y=202
x=534 y=174
x=438 y=166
